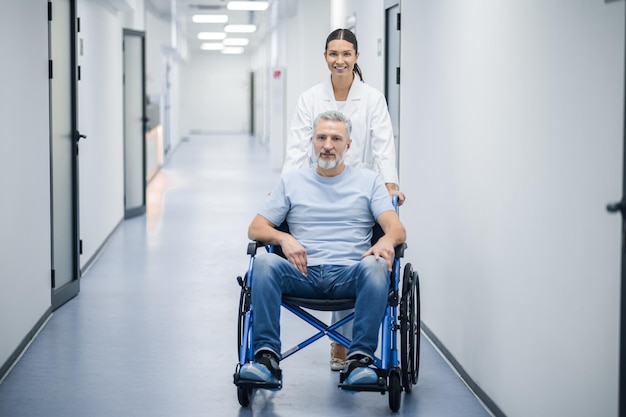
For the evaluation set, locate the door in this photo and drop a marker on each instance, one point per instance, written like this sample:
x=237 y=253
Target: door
x=134 y=125
x=64 y=151
x=621 y=208
x=392 y=68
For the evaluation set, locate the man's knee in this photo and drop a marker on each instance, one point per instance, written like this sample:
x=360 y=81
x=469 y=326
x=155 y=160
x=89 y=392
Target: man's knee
x=265 y=266
x=375 y=271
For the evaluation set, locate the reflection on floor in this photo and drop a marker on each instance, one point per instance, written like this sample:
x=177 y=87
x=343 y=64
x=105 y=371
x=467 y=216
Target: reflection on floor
x=153 y=330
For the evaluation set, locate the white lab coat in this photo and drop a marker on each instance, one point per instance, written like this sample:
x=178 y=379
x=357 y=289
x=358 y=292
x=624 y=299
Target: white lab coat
x=373 y=145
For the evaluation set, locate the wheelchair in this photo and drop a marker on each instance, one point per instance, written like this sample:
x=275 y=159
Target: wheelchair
x=397 y=367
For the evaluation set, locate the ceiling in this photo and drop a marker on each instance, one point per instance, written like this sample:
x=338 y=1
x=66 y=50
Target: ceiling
x=185 y=9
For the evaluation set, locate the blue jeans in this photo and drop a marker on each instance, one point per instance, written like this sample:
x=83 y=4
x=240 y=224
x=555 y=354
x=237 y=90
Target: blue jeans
x=367 y=281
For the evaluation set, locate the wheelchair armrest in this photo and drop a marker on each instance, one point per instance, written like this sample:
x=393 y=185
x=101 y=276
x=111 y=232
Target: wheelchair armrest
x=253 y=246
x=400 y=250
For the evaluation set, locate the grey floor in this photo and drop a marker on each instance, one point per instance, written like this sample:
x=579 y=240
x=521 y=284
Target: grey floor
x=153 y=330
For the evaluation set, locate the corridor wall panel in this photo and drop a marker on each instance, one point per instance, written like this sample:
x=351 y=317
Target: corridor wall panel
x=512 y=141
x=24 y=174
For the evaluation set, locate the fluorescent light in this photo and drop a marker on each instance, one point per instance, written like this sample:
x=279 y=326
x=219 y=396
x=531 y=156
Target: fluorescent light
x=209 y=18
x=233 y=50
x=211 y=36
x=236 y=41
x=240 y=28
x=247 y=5
x=210 y=46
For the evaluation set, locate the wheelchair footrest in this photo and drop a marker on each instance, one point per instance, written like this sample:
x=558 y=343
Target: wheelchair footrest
x=380 y=386
x=247 y=383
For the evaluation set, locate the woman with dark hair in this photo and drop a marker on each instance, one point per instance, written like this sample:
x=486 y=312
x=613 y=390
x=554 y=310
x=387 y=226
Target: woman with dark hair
x=372 y=146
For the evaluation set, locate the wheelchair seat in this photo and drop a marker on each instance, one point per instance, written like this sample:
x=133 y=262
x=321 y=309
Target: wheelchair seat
x=321 y=304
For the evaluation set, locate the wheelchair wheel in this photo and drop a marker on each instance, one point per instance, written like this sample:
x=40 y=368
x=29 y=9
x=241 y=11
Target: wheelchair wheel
x=244 y=394
x=244 y=307
x=409 y=328
x=394 y=390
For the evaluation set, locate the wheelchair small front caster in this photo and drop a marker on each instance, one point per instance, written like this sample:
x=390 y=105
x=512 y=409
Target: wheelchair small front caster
x=244 y=395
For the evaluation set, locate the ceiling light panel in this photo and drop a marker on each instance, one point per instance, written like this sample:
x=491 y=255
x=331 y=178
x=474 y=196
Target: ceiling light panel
x=240 y=28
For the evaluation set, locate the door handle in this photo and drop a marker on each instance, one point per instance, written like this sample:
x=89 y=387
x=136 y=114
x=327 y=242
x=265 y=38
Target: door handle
x=78 y=136
x=615 y=207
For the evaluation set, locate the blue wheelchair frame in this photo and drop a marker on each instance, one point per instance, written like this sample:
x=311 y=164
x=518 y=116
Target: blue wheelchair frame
x=394 y=373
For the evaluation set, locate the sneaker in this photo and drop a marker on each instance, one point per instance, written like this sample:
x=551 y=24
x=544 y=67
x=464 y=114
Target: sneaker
x=265 y=369
x=358 y=372
x=338 y=354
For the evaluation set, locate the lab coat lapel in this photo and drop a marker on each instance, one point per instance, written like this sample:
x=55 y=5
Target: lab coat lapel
x=327 y=94
x=354 y=98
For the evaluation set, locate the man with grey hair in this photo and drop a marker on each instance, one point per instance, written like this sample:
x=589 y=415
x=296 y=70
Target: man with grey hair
x=331 y=210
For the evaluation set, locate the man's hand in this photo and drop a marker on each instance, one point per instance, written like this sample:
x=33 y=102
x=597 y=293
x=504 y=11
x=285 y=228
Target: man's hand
x=383 y=249
x=394 y=235
x=294 y=252
x=264 y=231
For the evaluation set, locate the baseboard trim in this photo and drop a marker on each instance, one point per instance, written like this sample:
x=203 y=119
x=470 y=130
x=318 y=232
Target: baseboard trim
x=489 y=404
x=12 y=360
x=98 y=251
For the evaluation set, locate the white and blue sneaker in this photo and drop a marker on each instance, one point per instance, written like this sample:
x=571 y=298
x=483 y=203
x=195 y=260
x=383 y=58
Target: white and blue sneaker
x=265 y=369
x=358 y=372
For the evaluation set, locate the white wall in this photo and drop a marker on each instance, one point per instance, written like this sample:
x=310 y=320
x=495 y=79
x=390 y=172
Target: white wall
x=101 y=119
x=158 y=38
x=512 y=137
x=24 y=173
x=215 y=93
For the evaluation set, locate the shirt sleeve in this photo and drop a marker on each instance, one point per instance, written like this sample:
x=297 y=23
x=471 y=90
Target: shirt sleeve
x=381 y=202
x=277 y=205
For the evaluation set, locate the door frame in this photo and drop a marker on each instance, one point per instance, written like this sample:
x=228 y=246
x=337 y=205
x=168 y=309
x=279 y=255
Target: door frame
x=393 y=25
x=139 y=210
x=60 y=296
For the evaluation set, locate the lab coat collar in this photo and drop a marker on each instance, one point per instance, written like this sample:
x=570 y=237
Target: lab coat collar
x=356 y=93
x=356 y=90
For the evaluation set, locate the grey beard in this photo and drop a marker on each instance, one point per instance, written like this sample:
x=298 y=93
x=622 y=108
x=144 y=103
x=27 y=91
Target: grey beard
x=328 y=163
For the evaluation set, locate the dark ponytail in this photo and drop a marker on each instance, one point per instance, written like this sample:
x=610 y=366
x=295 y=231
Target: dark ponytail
x=345 y=35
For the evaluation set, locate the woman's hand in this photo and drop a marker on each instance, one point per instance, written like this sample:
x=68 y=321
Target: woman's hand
x=391 y=187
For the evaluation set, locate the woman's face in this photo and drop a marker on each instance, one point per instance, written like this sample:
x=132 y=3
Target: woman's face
x=340 y=57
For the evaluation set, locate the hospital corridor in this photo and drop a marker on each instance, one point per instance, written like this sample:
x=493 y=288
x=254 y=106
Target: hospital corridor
x=140 y=138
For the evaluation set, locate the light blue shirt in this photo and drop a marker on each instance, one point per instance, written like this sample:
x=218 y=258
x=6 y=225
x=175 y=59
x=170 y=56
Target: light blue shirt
x=332 y=217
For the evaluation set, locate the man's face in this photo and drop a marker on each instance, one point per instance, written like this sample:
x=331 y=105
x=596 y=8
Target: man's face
x=330 y=143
